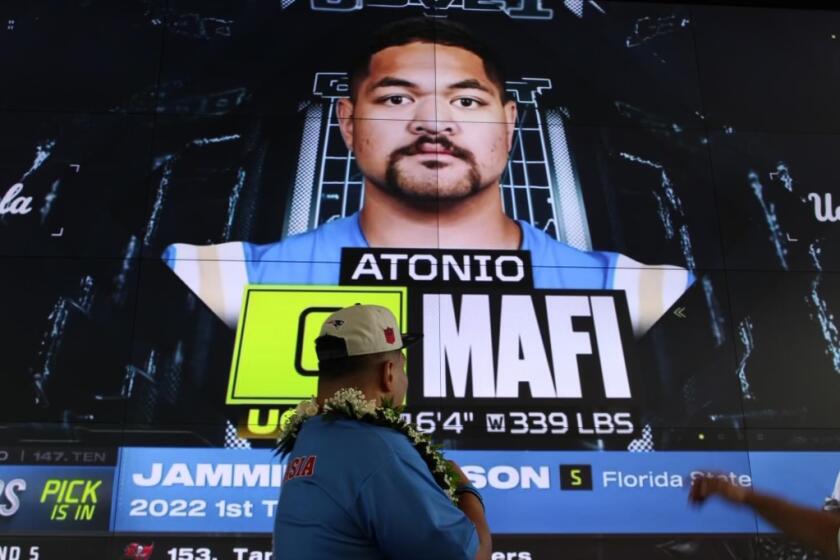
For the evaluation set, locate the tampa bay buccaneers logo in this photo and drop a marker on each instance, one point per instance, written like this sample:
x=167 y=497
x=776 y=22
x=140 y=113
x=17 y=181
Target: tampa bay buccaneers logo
x=137 y=551
x=389 y=335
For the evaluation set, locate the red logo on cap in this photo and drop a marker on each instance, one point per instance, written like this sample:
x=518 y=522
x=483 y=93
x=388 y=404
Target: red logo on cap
x=389 y=335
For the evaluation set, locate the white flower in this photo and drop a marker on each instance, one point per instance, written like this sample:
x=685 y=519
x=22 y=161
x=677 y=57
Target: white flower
x=367 y=407
x=350 y=398
x=307 y=409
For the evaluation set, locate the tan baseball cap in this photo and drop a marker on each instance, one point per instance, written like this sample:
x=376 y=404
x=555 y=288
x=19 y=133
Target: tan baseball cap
x=361 y=329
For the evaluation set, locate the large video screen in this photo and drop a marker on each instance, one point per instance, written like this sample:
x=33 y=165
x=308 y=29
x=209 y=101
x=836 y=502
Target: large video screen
x=613 y=224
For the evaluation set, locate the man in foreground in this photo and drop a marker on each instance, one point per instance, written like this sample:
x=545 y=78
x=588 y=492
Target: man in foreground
x=359 y=483
x=818 y=529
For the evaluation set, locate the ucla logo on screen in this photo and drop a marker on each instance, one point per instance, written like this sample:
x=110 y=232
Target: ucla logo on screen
x=519 y=9
x=14 y=202
x=824 y=210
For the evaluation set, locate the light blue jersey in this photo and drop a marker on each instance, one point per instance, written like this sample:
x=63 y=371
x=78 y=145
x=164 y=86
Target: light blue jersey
x=356 y=491
x=219 y=273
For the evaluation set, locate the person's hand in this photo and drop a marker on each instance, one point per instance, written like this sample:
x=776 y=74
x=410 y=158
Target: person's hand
x=703 y=487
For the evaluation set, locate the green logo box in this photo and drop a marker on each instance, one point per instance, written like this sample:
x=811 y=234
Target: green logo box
x=274 y=360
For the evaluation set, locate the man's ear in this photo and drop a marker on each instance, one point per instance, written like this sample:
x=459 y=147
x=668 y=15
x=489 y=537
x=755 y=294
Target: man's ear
x=510 y=121
x=387 y=369
x=345 y=121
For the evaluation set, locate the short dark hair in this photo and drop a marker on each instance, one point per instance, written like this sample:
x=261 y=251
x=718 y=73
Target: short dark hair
x=335 y=368
x=427 y=30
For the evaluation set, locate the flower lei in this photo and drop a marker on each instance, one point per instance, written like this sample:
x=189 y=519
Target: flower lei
x=351 y=403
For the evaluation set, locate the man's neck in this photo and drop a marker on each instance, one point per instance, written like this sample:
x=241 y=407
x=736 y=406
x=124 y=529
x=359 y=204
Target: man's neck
x=476 y=222
x=327 y=390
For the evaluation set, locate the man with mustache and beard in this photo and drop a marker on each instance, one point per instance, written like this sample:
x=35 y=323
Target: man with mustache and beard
x=431 y=128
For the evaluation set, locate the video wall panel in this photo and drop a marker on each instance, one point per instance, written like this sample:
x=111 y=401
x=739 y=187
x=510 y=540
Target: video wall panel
x=618 y=246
